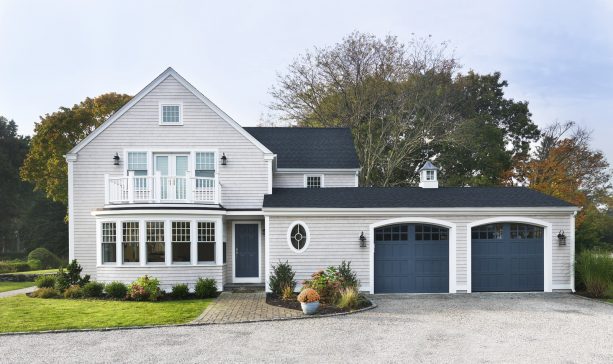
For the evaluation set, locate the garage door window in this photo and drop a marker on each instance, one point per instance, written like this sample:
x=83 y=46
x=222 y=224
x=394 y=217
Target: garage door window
x=430 y=232
x=522 y=231
x=392 y=233
x=488 y=232
x=298 y=237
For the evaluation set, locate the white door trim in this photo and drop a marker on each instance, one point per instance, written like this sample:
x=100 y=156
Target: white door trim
x=547 y=240
x=257 y=279
x=412 y=220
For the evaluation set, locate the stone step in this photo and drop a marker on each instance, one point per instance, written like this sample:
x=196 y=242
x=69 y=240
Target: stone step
x=243 y=287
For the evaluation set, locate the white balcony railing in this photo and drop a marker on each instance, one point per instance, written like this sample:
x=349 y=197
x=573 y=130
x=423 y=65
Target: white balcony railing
x=161 y=189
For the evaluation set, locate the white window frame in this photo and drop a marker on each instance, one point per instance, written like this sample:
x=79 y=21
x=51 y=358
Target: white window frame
x=214 y=242
x=321 y=179
x=430 y=175
x=140 y=242
x=289 y=237
x=170 y=103
x=99 y=236
x=147 y=221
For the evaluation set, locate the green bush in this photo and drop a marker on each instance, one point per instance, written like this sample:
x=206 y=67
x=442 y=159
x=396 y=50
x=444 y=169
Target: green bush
x=348 y=278
x=281 y=277
x=14 y=266
x=72 y=276
x=35 y=264
x=47 y=259
x=595 y=272
x=74 y=291
x=327 y=283
x=93 y=289
x=180 y=291
x=45 y=281
x=116 y=290
x=206 y=288
x=145 y=288
x=46 y=293
x=348 y=298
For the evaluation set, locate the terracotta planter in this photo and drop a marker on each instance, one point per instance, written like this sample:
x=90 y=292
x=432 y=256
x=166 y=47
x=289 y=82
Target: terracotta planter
x=309 y=308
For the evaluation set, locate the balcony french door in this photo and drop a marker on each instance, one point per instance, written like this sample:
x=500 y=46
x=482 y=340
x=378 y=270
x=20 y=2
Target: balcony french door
x=173 y=171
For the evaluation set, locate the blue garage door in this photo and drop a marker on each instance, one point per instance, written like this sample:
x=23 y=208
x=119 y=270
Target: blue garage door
x=411 y=258
x=507 y=258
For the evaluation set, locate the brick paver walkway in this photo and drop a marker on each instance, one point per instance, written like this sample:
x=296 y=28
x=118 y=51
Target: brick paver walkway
x=243 y=307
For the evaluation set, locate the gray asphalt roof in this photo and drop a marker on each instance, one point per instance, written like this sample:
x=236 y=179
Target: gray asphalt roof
x=326 y=148
x=410 y=197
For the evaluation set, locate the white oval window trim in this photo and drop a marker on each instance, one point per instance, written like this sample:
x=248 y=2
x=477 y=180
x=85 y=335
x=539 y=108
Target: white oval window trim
x=289 y=236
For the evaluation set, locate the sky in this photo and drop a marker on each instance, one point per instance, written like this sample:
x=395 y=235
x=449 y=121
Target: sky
x=557 y=55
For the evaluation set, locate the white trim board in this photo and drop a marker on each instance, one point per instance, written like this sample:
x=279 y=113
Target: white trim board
x=311 y=211
x=547 y=241
x=257 y=279
x=169 y=72
x=411 y=220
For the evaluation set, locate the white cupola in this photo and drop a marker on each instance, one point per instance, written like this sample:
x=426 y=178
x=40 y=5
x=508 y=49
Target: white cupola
x=428 y=176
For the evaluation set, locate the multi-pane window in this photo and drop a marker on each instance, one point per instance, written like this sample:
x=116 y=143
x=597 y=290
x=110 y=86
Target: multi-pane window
x=523 y=231
x=429 y=175
x=205 y=164
x=488 y=232
x=155 y=242
x=137 y=163
x=298 y=237
x=171 y=114
x=313 y=181
x=181 y=239
x=430 y=232
x=130 y=242
x=206 y=241
x=109 y=242
x=392 y=233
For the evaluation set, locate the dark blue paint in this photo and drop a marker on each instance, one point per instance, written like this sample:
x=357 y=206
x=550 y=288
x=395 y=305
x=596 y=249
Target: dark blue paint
x=246 y=254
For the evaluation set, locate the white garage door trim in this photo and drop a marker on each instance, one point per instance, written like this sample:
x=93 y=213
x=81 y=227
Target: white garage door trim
x=547 y=276
x=414 y=220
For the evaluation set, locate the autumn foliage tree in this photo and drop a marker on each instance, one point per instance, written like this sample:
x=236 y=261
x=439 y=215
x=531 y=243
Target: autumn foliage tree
x=57 y=133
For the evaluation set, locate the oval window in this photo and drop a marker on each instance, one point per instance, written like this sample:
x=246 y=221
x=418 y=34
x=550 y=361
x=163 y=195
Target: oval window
x=298 y=236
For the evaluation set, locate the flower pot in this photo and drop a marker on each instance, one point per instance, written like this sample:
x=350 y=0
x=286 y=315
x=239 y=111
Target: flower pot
x=309 y=308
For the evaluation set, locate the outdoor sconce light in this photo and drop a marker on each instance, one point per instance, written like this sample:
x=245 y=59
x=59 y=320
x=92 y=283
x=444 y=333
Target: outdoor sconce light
x=224 y=159
x=362 y=240
x=561 y=238
x=116 y=159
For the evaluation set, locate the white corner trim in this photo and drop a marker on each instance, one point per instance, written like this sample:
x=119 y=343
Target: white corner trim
x=71 y=222
x=257 y=279
x=288 y=236
x=547 y=240
x=408 y=220
x=159 y=79
x=572 y=250
x=266 y=252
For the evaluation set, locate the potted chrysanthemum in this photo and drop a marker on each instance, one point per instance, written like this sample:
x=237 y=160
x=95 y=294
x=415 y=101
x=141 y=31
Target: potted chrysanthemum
x=309 y=300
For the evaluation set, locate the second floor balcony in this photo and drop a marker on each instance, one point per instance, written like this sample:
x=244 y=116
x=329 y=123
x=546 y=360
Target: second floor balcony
x=134 y=189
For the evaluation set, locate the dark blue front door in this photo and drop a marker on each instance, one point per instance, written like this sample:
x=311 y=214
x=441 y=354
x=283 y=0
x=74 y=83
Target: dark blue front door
x=411 y=258
x=507 y=257
x=246 y=250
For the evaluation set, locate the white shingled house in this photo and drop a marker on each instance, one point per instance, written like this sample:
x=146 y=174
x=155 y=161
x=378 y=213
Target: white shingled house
x=173 y=187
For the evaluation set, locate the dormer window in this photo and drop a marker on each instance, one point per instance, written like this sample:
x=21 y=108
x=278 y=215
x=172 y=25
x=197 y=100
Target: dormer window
x=171 y=114
x=313 y=181
x=429 y=175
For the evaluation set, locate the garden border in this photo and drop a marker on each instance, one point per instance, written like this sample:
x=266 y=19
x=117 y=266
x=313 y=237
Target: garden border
x=102 y=329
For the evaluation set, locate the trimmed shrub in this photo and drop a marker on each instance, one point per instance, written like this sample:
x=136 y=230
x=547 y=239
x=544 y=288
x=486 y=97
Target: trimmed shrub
x=46 y=258
x=70 y=277
x=595 y=272
x=206 y=288
x=45 y=281
x=14 y=266
x=145 y=288
x=46 y=293
x=349 y=298
x=73 y=291
x=35 y=264
x=282 y=276
x=116 y=290
x=180 y=291
x=93 y=289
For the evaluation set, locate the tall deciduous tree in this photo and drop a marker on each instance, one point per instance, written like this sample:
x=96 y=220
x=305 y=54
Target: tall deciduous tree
x=405 y=103
x=59 y=132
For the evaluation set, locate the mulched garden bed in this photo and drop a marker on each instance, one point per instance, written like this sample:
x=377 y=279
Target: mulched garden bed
x=293 y=304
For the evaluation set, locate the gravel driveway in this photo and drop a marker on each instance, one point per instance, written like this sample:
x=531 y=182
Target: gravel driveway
x=422 y=328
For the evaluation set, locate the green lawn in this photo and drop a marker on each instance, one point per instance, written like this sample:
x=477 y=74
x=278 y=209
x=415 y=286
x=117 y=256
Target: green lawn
x=22 y=313
x=36 y=271
x=9 y=286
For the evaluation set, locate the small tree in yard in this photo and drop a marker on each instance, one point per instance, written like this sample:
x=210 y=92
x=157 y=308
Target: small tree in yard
x=281 y=278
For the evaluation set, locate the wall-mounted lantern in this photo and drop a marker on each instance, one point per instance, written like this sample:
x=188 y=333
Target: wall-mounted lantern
x=362 y=240
x=116 y=159
x=224 y=159
x=561 y=238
